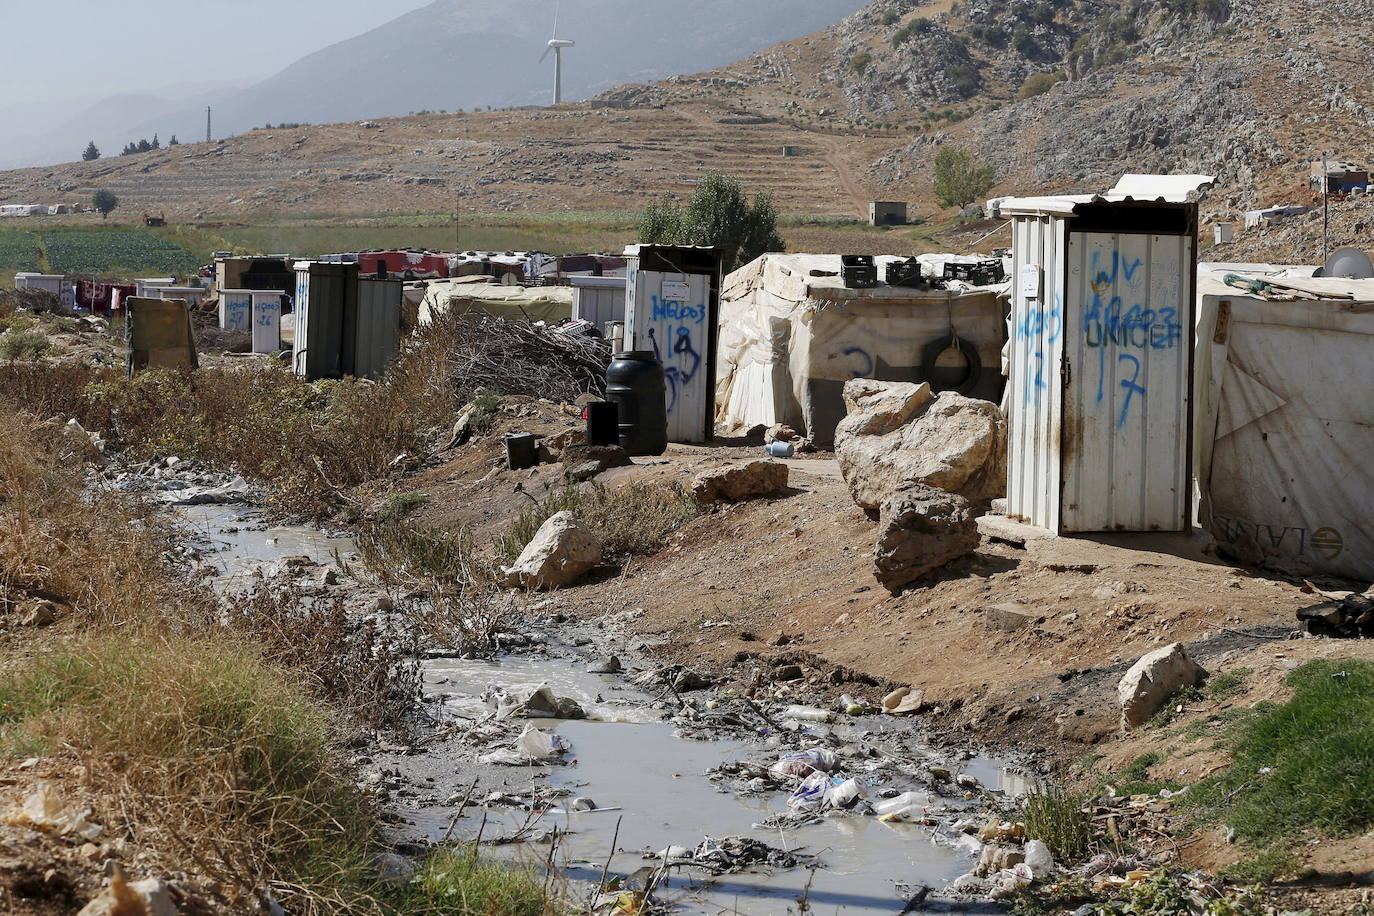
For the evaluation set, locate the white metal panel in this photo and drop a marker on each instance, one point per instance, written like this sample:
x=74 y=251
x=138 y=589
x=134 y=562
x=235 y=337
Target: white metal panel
x=669 y=314
x=235 y=309
x=266 y=322
x=1128 y=308
x=599 y=304
x=1034 y=396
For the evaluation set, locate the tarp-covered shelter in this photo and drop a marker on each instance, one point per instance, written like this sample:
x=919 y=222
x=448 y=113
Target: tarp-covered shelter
x=792 y=334
x=1285 y=423
x=536 y=303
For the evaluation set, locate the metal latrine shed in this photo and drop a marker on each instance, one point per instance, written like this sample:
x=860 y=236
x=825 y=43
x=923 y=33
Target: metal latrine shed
x=1100 y=400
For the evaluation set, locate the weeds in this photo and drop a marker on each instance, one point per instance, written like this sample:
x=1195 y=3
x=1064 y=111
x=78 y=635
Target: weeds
x=403 y=553
x=369 y=675
x=1264 y=867
x=1055 y=816
x=1226 y=685
x=467 y=620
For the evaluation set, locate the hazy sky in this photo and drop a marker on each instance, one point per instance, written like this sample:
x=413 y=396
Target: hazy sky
x=90 y=49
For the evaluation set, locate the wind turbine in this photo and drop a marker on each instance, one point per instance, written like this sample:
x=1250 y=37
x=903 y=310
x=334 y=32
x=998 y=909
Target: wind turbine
x=556 y=45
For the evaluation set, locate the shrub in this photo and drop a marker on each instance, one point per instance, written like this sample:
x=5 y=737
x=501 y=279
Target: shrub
x=718 y=214
x=1037 y=84
x=918 y=26
x=458 y=882
x=860 y=62
x=23 y=344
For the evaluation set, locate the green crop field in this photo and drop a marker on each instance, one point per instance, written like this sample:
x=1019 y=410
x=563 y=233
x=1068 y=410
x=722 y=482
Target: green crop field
x=111 y=251
x=18 y=251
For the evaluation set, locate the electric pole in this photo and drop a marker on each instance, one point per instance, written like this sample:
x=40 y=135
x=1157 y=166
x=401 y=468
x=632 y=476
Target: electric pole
x=208 y=135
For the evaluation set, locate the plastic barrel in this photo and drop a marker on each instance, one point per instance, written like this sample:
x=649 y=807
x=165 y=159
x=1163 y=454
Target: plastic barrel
x=603 y=423
x=636 y=384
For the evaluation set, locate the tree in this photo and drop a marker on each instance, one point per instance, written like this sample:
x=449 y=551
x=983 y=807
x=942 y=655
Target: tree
x=174 y=141
x=92 y=152
x=157 y=144
x=718 y=214
x=129 y=149
x=144 y=146
x=105 y=202
x=959 y=178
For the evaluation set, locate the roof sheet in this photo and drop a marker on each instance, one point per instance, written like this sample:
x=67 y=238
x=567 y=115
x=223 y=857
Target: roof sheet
x=1171 y=189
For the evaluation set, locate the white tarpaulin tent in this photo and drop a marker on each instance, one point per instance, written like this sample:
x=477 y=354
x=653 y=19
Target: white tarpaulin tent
x=791 y=335
x=1285 y=424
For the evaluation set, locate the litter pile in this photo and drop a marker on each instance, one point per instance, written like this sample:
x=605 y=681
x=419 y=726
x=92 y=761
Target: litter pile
x=1351 y=617
x=732 y=855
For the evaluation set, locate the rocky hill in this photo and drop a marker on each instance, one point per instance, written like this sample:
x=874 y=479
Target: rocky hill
x=1058 y=94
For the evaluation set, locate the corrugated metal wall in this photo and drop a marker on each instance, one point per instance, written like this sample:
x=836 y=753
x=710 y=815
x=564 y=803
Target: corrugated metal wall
x=1129 y=306
x=599 y=304
x=325 y=295
x=1035 y=391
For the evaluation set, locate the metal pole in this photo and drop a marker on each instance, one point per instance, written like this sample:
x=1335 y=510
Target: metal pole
x=557 y=75
x=1326 y=210
x=208 y=135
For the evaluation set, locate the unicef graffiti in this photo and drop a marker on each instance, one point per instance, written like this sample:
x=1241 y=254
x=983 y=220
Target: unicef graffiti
x=1112 y=324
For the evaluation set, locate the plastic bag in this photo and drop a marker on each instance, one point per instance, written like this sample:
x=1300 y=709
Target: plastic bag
x=811 y=793
x=537 y=743
x=804 y=763
x=843 y=793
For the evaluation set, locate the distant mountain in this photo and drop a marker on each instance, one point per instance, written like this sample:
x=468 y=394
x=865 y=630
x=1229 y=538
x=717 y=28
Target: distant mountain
x=465 y=54
x=47 y=134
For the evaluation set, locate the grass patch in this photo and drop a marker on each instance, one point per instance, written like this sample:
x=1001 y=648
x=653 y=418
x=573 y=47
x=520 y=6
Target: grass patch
x=1055 y=817
x=1261 y=869
x=110 y=250
x=458 y=882
x=1226 y=685
x=630 y=520
x=401 y=552
x=1305 y=765
x=1174 y=707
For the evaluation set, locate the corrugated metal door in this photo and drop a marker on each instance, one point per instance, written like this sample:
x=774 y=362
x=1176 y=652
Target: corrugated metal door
x=1034 y=390
x=379 y=326
x=671 y=316
x=1128 y=382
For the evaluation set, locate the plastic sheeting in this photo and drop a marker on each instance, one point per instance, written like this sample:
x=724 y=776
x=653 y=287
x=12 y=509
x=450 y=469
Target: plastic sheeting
x=159 y=335
x=1286 y=427
x=536 y=303
x=791 y=335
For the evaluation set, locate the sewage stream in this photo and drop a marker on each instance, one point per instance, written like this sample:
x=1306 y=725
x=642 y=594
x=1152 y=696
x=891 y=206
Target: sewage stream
x=641 y=771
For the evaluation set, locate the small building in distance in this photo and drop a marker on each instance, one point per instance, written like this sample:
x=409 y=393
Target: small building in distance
x=887 y=213
x=1342 y=177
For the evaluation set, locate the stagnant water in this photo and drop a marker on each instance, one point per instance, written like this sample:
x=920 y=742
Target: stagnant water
x=638 y=772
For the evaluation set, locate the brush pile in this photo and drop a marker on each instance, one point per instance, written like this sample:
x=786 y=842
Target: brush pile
x=521 y=358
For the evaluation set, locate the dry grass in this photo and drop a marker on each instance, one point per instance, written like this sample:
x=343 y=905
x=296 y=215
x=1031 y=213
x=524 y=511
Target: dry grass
x=466 y=620
x=205 y=753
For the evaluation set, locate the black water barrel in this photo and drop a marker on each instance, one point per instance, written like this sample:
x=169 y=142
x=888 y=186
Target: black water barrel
x=603 y=423
x=636 y=384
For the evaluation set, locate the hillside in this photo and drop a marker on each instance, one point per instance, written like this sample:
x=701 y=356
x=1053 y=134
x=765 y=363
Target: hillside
x=1188 y=85
x=458 y=54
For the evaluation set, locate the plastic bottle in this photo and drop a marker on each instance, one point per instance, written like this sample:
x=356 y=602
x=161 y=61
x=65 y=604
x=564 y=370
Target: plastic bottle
x=901 y=802
x=809 y=714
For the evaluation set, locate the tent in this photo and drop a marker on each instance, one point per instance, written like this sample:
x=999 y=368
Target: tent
x=536 y=303
x=1284 y=423
x=792 y=334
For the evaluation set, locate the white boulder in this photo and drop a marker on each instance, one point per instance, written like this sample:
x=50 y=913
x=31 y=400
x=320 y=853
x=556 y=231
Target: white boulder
x=561 y=552
x=1153 y=680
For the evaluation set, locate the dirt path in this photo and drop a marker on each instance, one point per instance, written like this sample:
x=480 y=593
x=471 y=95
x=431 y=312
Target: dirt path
x=834 y=157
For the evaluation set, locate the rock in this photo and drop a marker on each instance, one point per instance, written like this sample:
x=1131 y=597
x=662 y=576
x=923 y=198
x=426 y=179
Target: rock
x=997 y=858
x=904 y=701
x=921 y=529
x=941 y=774
x=898 y=433
x=326 y=577
x=561 y=552
x=37 y=614
x=583 y=462
x=966 y=781
x=740 y=482
x=607 y=666
x=780 y=432
x=689 y=680
x=1008 y=617
x=1153 y=680
x=788 y=673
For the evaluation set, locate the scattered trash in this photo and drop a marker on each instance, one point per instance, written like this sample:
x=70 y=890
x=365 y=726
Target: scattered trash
x=736 y=854
x=537 y=743
x=43 y=809
x=811 y=793
x=904 y=701
x=1039 y=859
x=808 y=714
x=539 y=703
